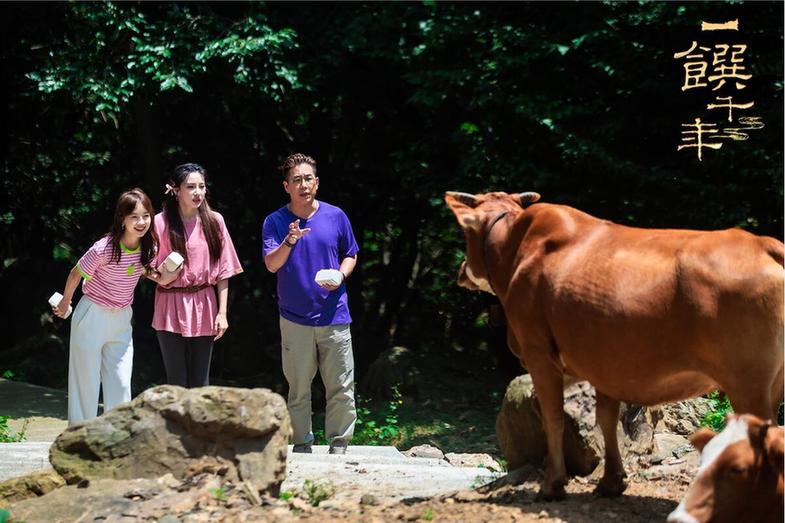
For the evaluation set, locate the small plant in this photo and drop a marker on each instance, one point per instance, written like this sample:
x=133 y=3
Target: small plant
x=428 y=514
x=378 y=426
x=5 y=432
x=317 y=491
x=719 y=407
x=8 y=374
x=286 y=495
x=219 y=493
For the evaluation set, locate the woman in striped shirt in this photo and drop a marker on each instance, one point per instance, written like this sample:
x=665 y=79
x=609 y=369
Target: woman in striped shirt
x=101 y=346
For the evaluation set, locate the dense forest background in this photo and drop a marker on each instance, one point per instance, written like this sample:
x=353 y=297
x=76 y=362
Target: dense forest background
x=398 y=102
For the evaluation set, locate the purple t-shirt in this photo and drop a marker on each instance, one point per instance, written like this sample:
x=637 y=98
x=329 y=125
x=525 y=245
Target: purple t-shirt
x=300 y=299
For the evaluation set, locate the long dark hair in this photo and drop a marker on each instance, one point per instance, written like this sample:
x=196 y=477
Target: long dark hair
x=174 y=222
x=126 y=204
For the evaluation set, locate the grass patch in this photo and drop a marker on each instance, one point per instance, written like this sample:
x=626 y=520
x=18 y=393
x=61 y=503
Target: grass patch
x=6 y=436
x=453 y=409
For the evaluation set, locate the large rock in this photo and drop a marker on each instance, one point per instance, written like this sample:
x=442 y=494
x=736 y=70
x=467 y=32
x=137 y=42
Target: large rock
x=522 y=439
x=29 y=486
x=684 y=417
x=395 y=367
x=241 y=434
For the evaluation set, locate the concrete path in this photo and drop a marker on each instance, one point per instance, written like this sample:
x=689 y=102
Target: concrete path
x=380 y=471
x=40 y=412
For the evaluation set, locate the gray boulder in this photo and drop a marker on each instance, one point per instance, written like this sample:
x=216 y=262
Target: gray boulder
x=522 y=439
x=241 y=434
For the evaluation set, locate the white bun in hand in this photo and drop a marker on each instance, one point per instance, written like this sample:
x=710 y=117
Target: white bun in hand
x=54 y=301
x=173 y=261
x=329 y=276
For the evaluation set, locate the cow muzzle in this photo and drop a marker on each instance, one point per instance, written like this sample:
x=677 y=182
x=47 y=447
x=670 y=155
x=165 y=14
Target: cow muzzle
x=469 y=281
x=464 y=280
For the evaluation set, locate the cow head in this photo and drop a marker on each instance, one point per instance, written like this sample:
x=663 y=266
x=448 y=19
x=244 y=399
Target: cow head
x=740 y=475
x=477 y=214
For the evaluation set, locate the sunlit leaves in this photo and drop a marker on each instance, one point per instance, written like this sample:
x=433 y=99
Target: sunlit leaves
x=115 y=51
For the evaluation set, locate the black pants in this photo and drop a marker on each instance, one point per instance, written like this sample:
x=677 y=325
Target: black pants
x=187 y=360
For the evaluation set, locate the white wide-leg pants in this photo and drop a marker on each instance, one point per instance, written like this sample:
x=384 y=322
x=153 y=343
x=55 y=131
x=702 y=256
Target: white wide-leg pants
x=101 y=353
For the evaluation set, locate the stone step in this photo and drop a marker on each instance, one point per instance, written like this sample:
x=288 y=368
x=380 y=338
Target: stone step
x=18 y=459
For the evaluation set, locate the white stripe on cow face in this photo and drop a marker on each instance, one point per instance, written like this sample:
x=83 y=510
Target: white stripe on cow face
x=736 y=430
x=481 y=283
x=680 y=515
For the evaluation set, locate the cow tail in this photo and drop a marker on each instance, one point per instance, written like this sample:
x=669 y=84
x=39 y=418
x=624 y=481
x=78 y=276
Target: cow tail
x=775 y=249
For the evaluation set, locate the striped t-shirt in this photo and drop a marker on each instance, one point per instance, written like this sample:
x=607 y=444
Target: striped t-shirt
x=107 y=282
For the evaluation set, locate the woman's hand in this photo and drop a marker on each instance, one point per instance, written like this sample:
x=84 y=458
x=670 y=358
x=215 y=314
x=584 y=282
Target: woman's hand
x=221 y=325
x=62 y=308
x=165 y=276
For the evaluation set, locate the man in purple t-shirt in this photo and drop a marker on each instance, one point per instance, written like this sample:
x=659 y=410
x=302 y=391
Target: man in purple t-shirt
x=299 y=240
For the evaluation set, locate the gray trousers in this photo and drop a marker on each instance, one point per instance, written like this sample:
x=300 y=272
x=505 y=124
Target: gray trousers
x=328 y=349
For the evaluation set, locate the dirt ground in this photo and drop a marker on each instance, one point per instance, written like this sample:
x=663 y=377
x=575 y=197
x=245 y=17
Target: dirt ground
x=644 y=501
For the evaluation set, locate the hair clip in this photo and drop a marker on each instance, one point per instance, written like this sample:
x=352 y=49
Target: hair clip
x=169 y=189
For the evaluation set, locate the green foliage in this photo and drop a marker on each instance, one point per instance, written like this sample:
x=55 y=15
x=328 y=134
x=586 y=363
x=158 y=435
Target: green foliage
x=219 y=493
x=428 y=514
x=377 y=422
x=8 y=374
x=286 y=495
x=378 y=426
x=123 y=50
x=719 y=407
x=5 y=432
x=317 y=491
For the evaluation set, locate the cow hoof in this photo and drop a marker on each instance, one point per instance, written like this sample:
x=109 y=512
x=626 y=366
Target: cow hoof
x=612 y=487
x=554 y=493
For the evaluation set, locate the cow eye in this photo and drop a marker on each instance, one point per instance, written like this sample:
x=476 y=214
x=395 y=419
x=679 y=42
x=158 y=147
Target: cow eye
x=737 y=470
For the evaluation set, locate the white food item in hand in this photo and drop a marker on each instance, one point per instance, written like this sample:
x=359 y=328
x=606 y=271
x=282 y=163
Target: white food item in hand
x=54 y=301
x=329 y=276
x=173 y=261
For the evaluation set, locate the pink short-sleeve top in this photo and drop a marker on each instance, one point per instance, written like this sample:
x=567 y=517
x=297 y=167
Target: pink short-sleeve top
x=185 y=312
x=109 y=282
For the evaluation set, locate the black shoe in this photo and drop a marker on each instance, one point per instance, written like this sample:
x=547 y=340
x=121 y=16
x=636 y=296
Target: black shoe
x=303 y=448
x=337 y=447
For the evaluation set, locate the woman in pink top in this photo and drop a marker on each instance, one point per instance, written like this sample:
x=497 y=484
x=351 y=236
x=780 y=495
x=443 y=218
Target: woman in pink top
x=188 y=317
x=101 y=346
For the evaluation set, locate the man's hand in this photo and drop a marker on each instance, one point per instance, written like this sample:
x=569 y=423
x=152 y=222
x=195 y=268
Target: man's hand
x=295 y=233
x=330 y=287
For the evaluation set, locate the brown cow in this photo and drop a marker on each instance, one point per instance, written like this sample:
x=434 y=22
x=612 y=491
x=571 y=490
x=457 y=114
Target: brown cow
x=647 y=316
x=740 y=475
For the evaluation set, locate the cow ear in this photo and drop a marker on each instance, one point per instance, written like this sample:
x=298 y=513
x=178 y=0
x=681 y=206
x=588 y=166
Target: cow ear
x=774 y=447
x=462 y=205
x=701 y=438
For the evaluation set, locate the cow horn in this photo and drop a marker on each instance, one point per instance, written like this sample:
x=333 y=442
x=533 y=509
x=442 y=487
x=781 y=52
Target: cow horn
x=464 y=197
x=528 y=197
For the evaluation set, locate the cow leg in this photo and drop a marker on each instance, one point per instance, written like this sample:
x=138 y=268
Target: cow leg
x=549 y=386
x=612 y=483
x=758 y=402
